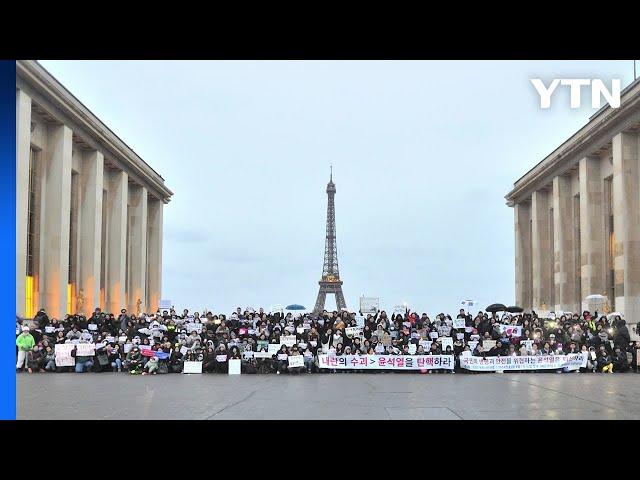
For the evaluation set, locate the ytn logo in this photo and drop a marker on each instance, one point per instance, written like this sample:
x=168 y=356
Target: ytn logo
x=598 y=90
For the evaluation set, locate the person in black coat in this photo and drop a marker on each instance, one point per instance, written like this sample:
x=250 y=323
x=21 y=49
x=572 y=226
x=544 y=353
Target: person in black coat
x=41 y=319
x=176 y=360
x=497 y=350
x=620 y=362
x=209 y=362
x=621 y=338
x=282 y=362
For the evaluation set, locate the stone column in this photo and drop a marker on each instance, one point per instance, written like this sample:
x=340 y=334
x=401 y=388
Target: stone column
x=138 y=247
x=23 y=149
x=154 y=259
x=522 y=212
x=564 y=265
x=91 y=186
x=592 y=239
x=541 y=250
x=117 y=243
x=626 y=205
x=57 y=204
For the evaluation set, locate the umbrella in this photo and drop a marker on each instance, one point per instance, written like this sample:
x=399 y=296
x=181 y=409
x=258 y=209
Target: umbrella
x=296 y=307
x=496 y=307
x=515 y=309
x=596 y=297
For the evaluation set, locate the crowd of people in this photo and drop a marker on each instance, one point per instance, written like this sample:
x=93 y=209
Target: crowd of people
x=162 y=342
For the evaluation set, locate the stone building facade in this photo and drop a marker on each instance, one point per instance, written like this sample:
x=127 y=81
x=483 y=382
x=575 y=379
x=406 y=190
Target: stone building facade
x=88 y=208
x=577 y=217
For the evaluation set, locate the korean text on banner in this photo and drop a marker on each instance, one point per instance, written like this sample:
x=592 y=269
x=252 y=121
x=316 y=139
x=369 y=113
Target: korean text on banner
x=387 y=362
x=536 y=362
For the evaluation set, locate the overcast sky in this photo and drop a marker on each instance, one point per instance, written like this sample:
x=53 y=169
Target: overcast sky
x=422 y=153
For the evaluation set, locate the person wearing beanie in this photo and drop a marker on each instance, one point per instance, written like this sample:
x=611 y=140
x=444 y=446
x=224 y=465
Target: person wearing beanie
x=25 y=343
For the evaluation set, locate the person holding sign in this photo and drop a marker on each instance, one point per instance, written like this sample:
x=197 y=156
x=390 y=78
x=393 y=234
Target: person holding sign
x=222 y=366
x=308 y=359
x=282 y=358
x=83 y=362
x=295 y=361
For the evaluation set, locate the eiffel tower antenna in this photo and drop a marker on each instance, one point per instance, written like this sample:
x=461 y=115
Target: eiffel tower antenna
x=330 y=282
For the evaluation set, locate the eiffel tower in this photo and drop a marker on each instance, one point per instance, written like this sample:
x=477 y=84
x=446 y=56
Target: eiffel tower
x=330 y=281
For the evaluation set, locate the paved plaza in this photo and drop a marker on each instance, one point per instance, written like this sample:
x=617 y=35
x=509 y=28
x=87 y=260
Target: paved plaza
x=329 y=396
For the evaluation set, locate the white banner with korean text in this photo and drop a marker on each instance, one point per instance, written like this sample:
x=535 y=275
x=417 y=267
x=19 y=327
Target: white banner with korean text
x=529 y=362
x=387 y=362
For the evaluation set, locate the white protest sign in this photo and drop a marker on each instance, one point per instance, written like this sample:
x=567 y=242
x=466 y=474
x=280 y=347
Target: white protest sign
x=426 y=344
x=184 y=350
x=273 y=348
x=164 y=305
x=527 y=344
x=458 y=323
x=85 y=350
x=282 y=356
x=49 y=329
x=460 y=336
x=194 y=327
x=192 y=367
x=369 y=305
x=472 y=344
x=261 y=355
x=351 y=332
x=433 y=335
x=446 y=342
x=296 y=361
x=234 y=367
x=488 y=344
x=412 y=348
x=288 y=340
x=360 y=320
x=277 y=308
x=247 y=354
x=399 y=310
x=127 y=347
x=63 y=355
x=634 y=332
x=92 y=327
x=221 y=358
